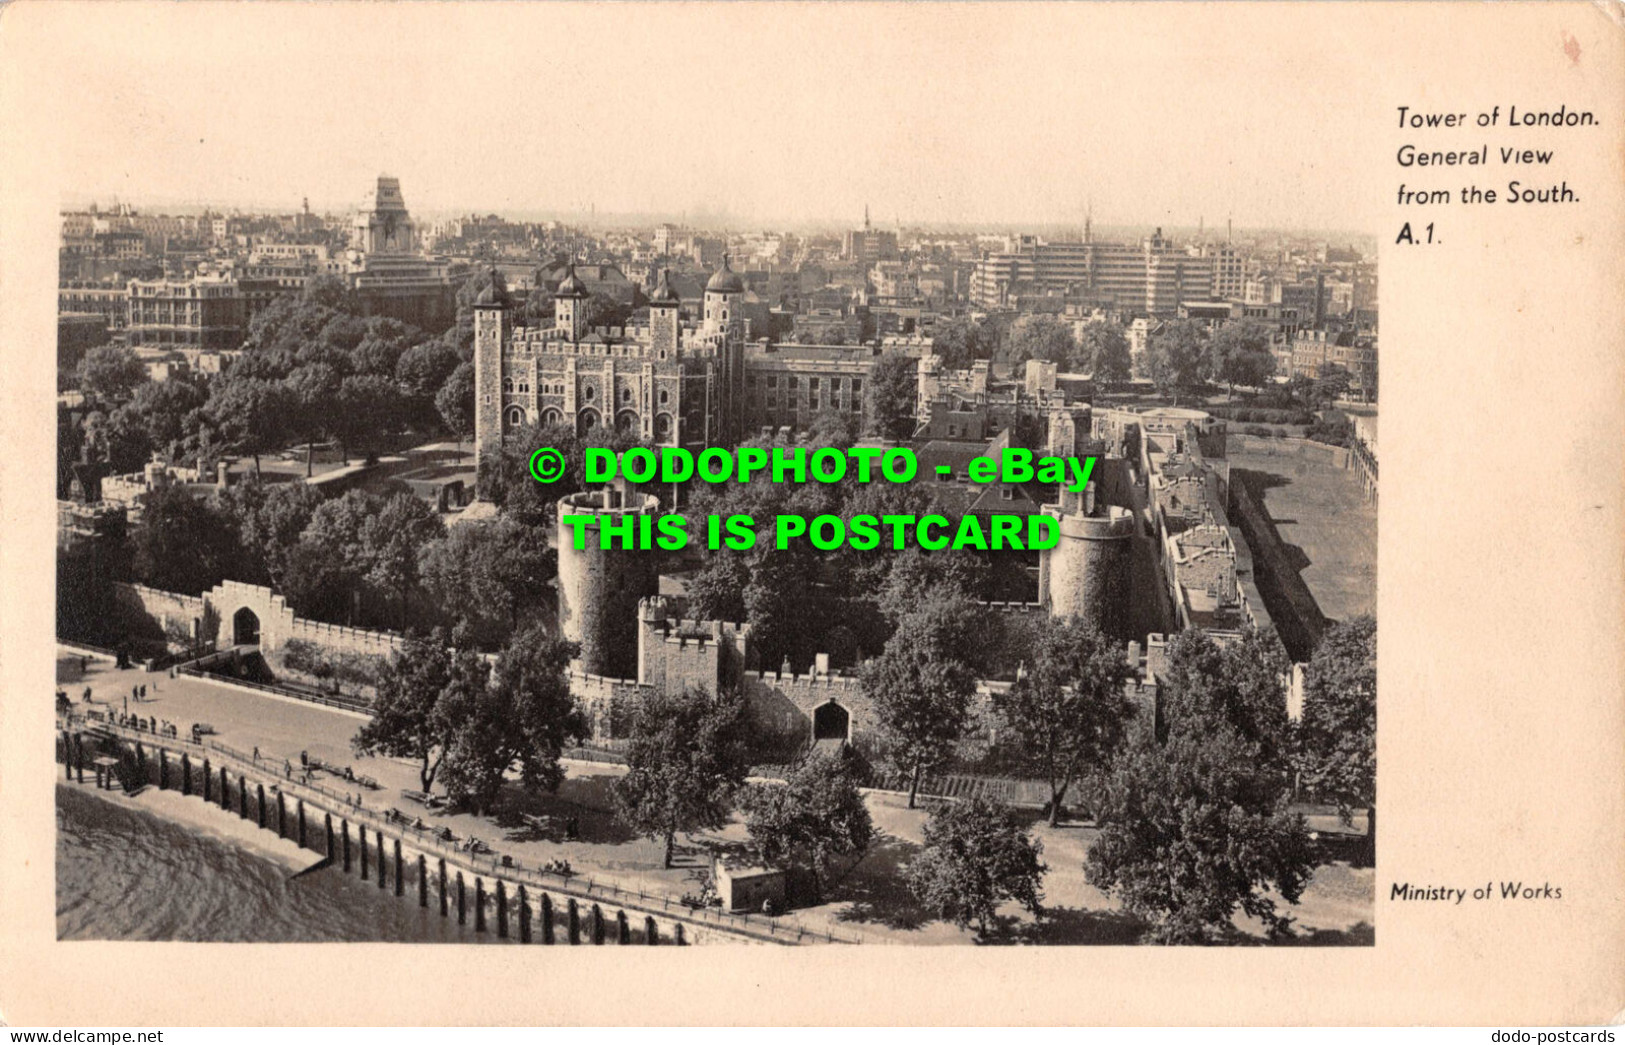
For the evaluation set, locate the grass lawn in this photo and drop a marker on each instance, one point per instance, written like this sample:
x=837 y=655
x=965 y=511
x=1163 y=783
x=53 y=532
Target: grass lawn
x=869 y=901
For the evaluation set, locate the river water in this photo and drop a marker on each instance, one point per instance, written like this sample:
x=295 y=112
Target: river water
x=125 y=874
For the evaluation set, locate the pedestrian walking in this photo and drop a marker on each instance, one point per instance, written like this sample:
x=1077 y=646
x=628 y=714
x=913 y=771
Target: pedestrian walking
x=256 y=752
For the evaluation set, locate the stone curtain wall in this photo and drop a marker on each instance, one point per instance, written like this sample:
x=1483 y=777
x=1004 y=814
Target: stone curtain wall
x=149 y=608
x=1287 y=446
x=151 y=612
x=507 y=902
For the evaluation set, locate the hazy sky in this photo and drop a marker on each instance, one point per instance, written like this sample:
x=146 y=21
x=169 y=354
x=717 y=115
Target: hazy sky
x=781 y=114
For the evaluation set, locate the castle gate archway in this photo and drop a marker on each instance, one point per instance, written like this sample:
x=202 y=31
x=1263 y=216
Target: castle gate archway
x=245 y=628
x=831 y=722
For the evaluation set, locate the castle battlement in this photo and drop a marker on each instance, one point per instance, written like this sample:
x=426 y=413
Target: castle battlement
x=843 y=683
x=608 y=502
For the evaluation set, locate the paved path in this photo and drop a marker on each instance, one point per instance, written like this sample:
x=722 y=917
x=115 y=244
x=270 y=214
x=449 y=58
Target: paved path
x=870 y=902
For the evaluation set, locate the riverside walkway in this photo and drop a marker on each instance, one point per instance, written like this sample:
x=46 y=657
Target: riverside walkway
x=610 y=865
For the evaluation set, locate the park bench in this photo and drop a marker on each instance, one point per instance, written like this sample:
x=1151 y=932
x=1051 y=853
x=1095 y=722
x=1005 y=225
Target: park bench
x=423 y=798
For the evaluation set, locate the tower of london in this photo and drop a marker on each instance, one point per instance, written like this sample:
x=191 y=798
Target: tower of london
x=671 y=383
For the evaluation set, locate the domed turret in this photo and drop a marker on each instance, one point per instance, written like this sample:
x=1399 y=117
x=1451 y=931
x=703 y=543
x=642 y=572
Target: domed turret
x=725 y=280
x=495 y=292
x=663 y=294
x=571 y=286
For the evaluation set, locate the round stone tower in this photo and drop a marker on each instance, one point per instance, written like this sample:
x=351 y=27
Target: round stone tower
x=1087 y=573
x=599 y=588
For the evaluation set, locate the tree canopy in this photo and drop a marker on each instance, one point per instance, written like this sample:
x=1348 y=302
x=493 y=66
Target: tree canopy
x=1241 y=353
x=923 y=681
x=1195 y=825
x=890 y=396
x=1039 y=336
x=1103 y=350
x=811 y=819
x=960 y=342
x=1068 y=712
x=975 y=858
x=1177 y=357
x=111 y=373
x=1338 y=732
x=523 y=715
x=686 y=759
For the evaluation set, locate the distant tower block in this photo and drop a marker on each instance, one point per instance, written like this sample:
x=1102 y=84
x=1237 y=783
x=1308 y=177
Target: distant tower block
x=599 y=588
x=1087 y=573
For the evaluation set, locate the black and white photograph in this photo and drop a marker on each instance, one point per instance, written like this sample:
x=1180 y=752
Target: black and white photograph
x=322 y=621
x=820 y=477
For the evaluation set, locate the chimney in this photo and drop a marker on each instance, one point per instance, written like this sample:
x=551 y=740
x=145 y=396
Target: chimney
x=821 y=664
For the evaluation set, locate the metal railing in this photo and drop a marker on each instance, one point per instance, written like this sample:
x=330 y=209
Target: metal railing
x=785 y=931
x=294 y=694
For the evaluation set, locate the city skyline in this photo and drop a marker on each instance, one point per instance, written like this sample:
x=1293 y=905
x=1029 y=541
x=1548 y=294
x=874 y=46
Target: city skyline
x=838 y=120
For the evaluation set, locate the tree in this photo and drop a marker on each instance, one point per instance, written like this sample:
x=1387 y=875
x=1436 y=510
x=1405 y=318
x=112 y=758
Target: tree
x=1241 y=353
x=1240 y=686
x=1337 y=736
x=1195 y=824
x=270 y=527
x=776 y=605
x=960 y=342
x=814 y=817
x=1177 y=357
x=834 y=428
x=915 y=573
x=455 y=402
x=1104 y=351
x=975 y=858
x=421 y=372
x=717 y=590
x=111 y=373
x=1189 y=831
x=605 y=311
x=393 y=540
x=524 y=715
x=1039 y=336
x=492 y=575
x=923 y=681
x=1332 y=385
x=314 y=392
x=380 y=349
x=410 y=711
x=890 y=395
x=162 y=412
x=182 y=544
x=366 y=406
x=331 y=292
x=120 y=439
x=1069 y=710
x=685 y=761
x=252 y=414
